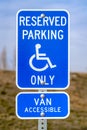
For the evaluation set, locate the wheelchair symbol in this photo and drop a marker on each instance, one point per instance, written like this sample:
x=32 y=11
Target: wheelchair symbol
x=40 y=57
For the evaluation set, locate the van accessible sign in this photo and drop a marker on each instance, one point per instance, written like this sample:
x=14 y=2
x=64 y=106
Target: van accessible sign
x=30 y=105
x=42 y=49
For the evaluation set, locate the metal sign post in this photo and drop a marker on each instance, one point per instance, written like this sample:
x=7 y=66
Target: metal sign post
x=42 y=123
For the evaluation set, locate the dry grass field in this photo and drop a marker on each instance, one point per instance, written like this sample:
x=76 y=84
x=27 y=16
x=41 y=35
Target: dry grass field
x=78 y=102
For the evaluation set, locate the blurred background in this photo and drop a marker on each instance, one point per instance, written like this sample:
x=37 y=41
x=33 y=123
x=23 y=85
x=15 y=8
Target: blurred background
x=78 y=32
x=78 y=64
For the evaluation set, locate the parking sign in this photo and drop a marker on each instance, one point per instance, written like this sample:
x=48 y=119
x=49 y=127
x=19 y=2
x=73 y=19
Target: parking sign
x=32 y=105
x=42 y=49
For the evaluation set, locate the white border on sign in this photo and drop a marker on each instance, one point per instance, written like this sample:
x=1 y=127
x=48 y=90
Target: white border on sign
x=43 y=117
x=29 y=88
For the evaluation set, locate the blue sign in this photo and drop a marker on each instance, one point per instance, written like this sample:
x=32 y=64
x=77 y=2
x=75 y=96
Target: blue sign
x=42 y=49
x=42 y=105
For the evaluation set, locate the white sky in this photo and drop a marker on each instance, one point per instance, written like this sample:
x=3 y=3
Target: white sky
x=78 y=27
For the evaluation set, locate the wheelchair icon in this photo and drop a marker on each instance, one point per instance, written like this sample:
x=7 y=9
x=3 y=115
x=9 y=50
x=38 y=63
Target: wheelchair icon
x=40 y=57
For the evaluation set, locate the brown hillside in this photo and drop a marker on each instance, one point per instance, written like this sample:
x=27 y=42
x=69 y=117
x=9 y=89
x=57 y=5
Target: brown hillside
x=78 y=96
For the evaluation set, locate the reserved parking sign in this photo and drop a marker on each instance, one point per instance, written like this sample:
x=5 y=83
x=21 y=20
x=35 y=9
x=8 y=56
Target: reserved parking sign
x=42 y=49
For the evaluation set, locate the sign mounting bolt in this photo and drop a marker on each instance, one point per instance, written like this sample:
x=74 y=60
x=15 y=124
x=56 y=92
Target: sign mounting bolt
x=42 y=95
x=42 y=15
x=42 y=82
x=42 y=114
